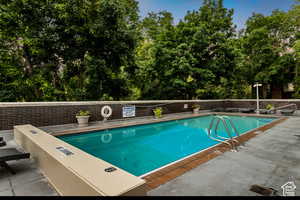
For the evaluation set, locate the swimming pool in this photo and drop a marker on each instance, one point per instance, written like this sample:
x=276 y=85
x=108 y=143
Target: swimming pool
x=143 y=148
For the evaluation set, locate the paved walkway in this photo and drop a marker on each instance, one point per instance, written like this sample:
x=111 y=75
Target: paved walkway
x=268 y=159
x=29 y=181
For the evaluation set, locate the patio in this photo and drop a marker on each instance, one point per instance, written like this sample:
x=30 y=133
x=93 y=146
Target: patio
x=269 y=159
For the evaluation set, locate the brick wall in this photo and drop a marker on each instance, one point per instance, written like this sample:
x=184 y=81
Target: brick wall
x=56 y=113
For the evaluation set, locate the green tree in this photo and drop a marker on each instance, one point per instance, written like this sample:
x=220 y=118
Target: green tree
x=190 y=59
x=294 y=18
x=148 y=78
x=297 y=69
x=69 y=49
x=100 y=50
x=265 y=47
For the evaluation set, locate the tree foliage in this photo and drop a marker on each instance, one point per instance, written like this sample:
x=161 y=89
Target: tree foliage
x=69 y=49
x=266 y=46
x=190 y=59
x=101 y=50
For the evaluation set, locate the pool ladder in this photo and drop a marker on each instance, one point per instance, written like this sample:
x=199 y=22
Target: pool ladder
x=230 y=140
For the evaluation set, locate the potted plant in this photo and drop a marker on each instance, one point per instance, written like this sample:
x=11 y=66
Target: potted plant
x=196 y=108
x=270 y=109
x=158 y=112
x=83 y=118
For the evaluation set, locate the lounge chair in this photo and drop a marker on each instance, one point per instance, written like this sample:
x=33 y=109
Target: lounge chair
x=266 y=111
x=218 y=109
x=287 y=111
x=246 y=110
x=11 y=154
x=232 y=110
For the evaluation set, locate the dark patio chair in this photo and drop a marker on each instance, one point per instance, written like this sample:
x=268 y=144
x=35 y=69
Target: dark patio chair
x=11 y=154
x=2 y=142
x=219 y=109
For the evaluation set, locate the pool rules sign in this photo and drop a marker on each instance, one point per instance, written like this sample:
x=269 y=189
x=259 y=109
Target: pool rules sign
x=128 y=111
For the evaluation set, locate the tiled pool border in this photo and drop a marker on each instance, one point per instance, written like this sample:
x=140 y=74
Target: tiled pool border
x=168 y=172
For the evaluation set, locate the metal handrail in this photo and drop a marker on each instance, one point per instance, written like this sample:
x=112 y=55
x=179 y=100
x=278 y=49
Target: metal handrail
x=216 y=136
x=234 y=129
x=226 y=127
x=216 y=139
x=221 y=118
x=289 y=105
x=232 y=125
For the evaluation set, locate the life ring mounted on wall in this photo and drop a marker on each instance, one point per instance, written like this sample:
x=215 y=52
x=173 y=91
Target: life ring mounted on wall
x=106 y=112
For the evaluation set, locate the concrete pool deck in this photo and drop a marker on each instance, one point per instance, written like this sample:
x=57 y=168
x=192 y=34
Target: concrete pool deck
x=28 y=180
x=269 y=159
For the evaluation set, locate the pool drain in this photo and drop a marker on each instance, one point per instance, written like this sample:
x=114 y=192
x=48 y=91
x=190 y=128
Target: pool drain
x=265 y=191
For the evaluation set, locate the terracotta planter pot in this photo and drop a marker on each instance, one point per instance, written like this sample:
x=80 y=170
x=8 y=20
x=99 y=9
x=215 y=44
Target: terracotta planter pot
x=83 y=121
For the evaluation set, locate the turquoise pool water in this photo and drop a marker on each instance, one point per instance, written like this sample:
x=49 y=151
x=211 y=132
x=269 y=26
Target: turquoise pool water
x=143 y=148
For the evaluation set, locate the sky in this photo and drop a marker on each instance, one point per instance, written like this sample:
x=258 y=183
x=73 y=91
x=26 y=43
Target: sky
x=243 y=9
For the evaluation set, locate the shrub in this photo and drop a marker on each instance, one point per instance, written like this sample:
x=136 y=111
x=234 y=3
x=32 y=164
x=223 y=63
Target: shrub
x=269 y=106
x=83 y=113
x=158 y=112
x=195 y=106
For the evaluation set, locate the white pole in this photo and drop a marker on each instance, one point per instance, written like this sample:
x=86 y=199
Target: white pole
x=257 y=99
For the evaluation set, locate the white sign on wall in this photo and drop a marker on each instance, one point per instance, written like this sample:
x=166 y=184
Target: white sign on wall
x=128 y=111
